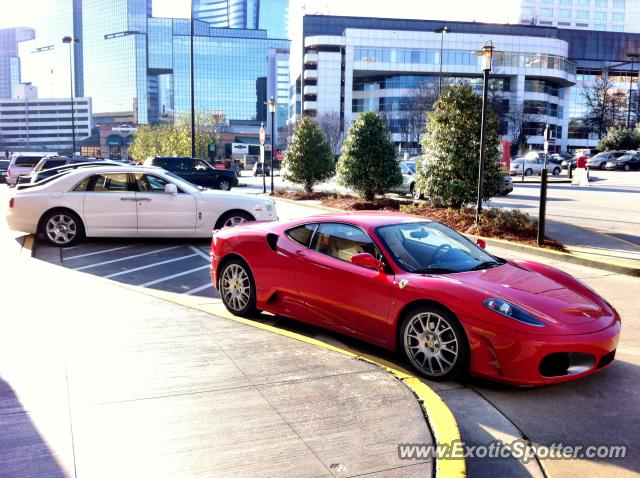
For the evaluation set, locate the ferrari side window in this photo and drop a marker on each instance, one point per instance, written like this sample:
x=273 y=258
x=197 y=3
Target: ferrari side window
x=302 y=234
x=343 y=241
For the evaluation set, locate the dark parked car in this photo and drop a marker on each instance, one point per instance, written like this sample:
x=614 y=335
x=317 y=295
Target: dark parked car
x=196 y=171
x=628 y=162
x=4 y=165
x=599 y=161
x=259 y=167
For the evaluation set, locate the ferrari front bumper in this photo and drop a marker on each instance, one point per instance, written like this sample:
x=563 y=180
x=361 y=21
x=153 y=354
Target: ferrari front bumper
x=529 y=360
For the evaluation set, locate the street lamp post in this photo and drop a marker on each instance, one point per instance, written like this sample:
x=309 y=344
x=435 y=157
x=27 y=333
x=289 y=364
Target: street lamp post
x=70 y=41
x=272 y=110
x=486 y=53
x=193 y=107
x=633 y=57
x=442 y=30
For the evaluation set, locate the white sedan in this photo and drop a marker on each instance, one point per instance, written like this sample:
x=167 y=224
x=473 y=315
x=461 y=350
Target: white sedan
x=128 y=201
x=532 y=166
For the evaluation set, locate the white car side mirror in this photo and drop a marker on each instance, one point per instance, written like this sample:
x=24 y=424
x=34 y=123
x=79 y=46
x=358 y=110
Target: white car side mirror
x=171 y=188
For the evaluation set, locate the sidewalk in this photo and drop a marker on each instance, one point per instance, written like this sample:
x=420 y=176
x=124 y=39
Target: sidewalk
x=99 y=380
x=594 y=245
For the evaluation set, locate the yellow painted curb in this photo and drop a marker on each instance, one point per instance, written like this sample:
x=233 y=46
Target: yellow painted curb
x=440 y=418
x=28 y=246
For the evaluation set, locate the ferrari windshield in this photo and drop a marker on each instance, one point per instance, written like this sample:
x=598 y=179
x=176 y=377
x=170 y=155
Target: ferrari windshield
x=431 y=248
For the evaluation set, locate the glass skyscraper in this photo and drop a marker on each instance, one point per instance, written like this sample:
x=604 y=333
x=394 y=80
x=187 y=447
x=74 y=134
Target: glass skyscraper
x=136 y=66
x=9 y=59
x=270 y=15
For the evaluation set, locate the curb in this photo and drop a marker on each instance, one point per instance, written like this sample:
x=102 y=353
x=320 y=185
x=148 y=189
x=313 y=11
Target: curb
x=574 y=258
x=438 y=416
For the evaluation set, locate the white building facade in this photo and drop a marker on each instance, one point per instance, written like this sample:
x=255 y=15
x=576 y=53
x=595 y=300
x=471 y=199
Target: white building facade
x=29 y=123
x=378 y=69
x=598 y=15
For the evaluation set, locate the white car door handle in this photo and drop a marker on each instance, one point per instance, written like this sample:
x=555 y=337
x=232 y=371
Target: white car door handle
x=127 y=199
x=144 y=199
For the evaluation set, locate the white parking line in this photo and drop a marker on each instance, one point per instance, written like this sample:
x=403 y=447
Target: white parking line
x=124 y=258
x=162 y=279
x=97 y=252
x=198 y=289
x=200 y=253
x=148 y=266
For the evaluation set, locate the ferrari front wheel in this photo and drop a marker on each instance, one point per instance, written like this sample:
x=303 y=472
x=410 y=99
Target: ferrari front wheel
x=237 y=288
x=434 y=343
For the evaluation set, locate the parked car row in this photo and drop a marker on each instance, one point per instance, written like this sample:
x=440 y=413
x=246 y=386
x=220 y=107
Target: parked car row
x=626 y=162
x=533 y=166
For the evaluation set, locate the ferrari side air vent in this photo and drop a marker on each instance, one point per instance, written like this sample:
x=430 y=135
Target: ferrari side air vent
x=272 y=240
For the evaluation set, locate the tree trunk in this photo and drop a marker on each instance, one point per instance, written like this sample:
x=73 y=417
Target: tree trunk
x=308 y=187
x=369 y=195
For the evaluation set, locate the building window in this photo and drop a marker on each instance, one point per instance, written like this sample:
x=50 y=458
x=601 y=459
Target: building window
x=617 y=28
x=582 y=15
x=599 y=27
x=527 y=12
x=546 y=12
x=601 y=3
x=583 y=3
x=618 y=17
x=619 y=4
x=565 y=14
x=565 y=2
x=601 y=16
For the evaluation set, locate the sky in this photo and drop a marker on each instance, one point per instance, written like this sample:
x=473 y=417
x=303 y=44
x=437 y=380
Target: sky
x=25 y=12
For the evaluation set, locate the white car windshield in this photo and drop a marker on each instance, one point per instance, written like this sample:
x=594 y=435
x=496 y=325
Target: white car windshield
x=431 y=248
x=182 y=182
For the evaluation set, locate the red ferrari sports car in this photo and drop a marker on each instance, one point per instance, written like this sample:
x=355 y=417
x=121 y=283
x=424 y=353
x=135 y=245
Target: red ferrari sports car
x=408 y=284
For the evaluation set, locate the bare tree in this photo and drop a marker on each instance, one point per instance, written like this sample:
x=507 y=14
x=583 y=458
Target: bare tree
x=606 y=105
x=417 y=107
x=330 y=124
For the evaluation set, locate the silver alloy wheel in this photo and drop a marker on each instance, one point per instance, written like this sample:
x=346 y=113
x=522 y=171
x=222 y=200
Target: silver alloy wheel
x=61 y=229
x=234 y=221
x=431 y=344
x=235 y=287
x=224 y=185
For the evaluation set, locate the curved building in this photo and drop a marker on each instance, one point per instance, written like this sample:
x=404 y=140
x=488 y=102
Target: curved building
x=351 y=65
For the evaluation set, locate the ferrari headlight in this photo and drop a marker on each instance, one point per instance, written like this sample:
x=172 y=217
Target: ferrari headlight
x=507 y=309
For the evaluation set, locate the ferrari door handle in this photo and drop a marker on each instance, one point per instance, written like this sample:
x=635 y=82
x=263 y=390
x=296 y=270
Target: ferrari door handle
x=300 y=252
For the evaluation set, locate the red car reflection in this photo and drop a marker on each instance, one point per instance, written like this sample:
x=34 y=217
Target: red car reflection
x=415 y=286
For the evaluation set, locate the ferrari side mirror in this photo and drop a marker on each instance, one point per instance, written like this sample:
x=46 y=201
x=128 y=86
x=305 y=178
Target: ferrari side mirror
x=367 y=260
x=481 y=244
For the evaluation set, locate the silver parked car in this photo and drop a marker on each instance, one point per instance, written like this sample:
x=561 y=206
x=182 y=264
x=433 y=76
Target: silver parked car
x=408 y=186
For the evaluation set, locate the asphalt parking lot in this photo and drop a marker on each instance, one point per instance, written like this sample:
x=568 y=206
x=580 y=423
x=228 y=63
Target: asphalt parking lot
x=169 y=265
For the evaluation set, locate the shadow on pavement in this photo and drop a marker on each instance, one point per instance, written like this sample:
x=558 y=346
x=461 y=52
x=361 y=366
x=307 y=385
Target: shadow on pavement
x=24 y=452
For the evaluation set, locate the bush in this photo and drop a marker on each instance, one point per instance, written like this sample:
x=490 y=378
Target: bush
x=368 y=163
x=308 y=159
x=447 y=172
x=620 y=138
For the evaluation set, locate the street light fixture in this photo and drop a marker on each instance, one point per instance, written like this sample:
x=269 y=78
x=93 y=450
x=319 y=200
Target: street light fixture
x=272 y=109
x=193 y=107
x=487 y=52
x=633 y=57
x=442 y=30
x=70 y=41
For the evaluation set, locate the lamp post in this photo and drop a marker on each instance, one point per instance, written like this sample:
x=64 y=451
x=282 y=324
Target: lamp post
x=442 y=30
x=272 y=110
x=486 y=53
x=193 y=107
x=70 y=41
x=633 y=57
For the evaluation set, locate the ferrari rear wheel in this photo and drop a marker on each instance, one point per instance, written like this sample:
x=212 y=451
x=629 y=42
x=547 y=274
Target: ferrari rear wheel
x=237 y=288
x=434 y=343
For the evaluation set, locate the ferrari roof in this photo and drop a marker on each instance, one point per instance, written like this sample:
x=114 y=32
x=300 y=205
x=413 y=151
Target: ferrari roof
x=367 y=219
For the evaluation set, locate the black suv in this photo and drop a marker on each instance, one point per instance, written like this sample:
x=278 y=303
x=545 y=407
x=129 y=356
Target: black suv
x=196 y=171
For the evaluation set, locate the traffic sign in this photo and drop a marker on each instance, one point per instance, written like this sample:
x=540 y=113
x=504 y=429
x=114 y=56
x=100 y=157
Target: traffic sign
x=263 y=135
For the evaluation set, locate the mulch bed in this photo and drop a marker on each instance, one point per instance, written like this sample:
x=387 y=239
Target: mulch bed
x=510 y=225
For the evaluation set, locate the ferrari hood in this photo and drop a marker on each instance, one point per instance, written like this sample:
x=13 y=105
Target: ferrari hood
x=542 y=296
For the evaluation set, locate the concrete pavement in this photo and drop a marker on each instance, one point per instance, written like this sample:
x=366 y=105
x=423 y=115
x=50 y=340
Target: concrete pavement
x=99 y=380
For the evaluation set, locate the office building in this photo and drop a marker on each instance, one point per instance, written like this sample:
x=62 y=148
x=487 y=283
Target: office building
x=599 y=15
x=29 y=123
x=349 y=65
x=136 y=67
x=9 y=60
x=270 y=15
